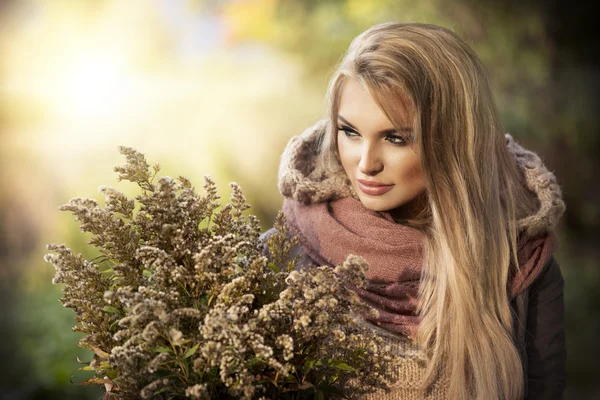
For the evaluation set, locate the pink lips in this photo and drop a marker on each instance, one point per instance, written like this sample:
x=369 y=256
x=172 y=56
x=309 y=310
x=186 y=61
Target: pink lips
x=373 y=188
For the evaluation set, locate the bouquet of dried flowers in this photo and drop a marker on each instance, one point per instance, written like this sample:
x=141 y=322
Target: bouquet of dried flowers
x=183 y=303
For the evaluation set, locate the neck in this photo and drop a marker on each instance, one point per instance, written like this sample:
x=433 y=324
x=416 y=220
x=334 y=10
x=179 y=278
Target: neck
x=412 y=213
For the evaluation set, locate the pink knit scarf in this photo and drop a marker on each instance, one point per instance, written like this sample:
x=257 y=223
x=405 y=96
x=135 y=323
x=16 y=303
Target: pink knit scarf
x=329 y=231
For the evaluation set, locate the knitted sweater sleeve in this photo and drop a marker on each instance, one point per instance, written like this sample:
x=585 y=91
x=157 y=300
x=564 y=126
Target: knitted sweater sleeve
x=545 y=337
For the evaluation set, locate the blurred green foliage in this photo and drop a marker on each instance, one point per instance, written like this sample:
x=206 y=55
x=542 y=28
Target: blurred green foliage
x=546 y=93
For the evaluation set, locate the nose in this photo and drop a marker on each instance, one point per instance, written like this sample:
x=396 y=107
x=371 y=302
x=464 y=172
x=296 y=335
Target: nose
x=370 y=162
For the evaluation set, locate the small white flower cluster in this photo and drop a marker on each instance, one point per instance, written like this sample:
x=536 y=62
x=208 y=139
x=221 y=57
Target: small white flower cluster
x=197 y=391
x=286 y=343
x=188 y=305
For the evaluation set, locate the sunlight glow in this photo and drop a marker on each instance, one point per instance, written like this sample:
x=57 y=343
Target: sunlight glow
x=94 y=84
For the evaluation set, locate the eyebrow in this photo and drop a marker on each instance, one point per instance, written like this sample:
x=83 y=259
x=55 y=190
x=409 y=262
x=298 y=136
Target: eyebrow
x=383 y=132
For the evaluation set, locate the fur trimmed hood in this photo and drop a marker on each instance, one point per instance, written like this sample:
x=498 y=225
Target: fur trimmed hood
x=302 y=179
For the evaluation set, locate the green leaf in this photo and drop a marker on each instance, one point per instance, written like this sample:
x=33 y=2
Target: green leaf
x=104 y=365
x=308 y=365
x=93 y=381
x=83 y=362
x=274 y=267
x=99 y=352
x=110 y=309
x=112 y=374
x=113 y=324
x=107 y=271
x=253 y=362
x=163 y=349
x=191 y=351
x=210 y=299
x=343 y=366
x=186 y=367
x=148 y=273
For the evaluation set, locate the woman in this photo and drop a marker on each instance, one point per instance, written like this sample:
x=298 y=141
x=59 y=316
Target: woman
x=412 y=170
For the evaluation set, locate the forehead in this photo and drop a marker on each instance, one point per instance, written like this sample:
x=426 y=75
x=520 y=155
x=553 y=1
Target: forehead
x=357 y=103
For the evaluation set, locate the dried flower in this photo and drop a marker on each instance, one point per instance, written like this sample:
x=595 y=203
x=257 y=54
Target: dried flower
x=183 y=301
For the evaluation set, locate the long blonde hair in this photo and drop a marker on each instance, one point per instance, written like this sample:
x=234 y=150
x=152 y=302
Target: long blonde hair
x=474 y=192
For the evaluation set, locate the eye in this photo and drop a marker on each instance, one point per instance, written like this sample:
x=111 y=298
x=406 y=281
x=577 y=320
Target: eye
x=395 y=139
x=349 y=132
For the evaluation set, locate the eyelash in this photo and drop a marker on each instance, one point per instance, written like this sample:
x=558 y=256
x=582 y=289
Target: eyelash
x=347 y=130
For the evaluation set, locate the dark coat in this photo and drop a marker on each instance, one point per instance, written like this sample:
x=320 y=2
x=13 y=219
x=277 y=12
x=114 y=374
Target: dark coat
x=540 y=330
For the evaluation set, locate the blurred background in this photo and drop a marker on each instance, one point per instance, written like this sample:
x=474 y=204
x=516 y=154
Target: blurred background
x=219 y=87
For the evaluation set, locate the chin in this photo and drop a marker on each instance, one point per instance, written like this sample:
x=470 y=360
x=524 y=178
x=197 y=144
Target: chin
x=376 y=204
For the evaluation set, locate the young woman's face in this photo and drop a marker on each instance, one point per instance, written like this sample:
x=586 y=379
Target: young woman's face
x=373 y=152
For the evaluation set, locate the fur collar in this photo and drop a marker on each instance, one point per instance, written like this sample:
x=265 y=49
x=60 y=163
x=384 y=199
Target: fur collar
x=302 y=179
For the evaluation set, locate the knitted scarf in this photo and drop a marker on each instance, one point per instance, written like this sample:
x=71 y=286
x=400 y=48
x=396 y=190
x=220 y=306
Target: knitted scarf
x=331 y=222
x=328 y=232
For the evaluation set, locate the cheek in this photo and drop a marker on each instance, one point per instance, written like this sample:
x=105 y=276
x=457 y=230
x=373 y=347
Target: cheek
x=408 y=171
x=345 y=153
x=415 y=171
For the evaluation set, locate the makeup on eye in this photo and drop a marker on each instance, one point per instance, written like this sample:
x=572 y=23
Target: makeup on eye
x=395 y=139
x=383 y=132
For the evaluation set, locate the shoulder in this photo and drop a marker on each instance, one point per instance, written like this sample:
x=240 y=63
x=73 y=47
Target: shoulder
x=545 y=339
x=546 y=300
x=549 y=282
